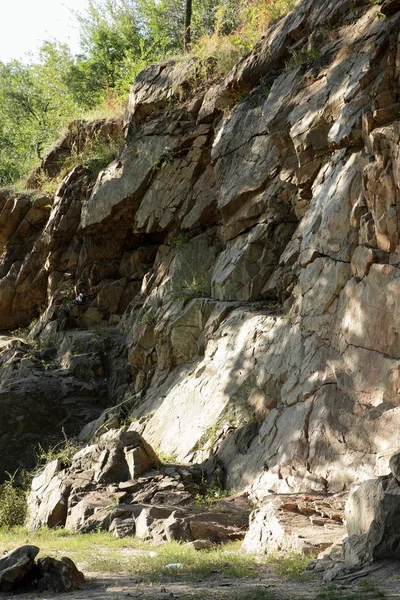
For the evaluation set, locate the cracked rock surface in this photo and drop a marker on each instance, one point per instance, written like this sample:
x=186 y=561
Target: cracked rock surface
x=245 y=246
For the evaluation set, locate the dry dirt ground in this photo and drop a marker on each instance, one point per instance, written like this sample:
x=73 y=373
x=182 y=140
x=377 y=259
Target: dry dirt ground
x=119 y=587
x=267 y=586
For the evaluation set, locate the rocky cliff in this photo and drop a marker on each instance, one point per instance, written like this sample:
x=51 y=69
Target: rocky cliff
x=240 y=260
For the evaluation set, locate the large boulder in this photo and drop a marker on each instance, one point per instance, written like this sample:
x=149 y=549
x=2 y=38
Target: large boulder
x=48 y=499
x=372 y=519
x=16 y=567
x=362 y=505
x=304 y=524
x=58 y=575
x=18 y=570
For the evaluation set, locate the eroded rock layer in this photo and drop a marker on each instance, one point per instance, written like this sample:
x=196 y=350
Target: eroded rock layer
x=246 y=242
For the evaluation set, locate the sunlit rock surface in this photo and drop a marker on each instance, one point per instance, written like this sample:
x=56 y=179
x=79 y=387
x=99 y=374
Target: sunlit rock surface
x=246 y=244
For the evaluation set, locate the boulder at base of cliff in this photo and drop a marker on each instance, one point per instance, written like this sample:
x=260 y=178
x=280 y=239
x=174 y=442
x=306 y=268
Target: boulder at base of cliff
x=18 y=571
x=372 y=515
x=16 y=567
x=373 y=519
x=301 y=523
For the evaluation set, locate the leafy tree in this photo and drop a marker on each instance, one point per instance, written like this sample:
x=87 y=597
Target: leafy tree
x=118 y=39
x=110 y=41
x=35 y=105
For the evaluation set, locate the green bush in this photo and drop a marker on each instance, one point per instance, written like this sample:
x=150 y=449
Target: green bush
x=12 y=504
x=63 y=452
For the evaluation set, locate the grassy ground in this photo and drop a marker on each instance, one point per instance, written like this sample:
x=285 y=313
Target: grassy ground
x=180 y=570
x=102 y=553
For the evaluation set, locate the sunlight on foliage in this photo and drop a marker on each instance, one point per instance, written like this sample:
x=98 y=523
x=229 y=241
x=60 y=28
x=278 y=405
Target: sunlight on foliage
x=118 y=39
x=12 y=503
x=101 y=552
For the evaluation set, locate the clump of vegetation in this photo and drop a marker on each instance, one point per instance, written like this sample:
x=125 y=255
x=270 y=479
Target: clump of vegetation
x=212 y=495
x=62 y=452
x=197 y=287
x=235 y=29
x=13 y=502
x=96 y=155
x=166 y=458
x=118 y=39
x=181 y=239
x=146 y=319
x=298 y=58
x=289 y=565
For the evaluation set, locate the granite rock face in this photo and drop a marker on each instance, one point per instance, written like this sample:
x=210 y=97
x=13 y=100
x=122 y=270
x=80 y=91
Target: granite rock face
x=246 y=244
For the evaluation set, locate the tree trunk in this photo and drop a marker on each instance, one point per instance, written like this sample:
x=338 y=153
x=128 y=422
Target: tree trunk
x=188 y=20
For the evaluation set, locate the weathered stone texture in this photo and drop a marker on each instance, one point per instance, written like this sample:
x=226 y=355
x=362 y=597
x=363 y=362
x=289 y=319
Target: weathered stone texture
x=246 y=242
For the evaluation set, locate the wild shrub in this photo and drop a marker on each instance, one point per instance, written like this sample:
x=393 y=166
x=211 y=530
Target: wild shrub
x=62 y=452
x=12 y=503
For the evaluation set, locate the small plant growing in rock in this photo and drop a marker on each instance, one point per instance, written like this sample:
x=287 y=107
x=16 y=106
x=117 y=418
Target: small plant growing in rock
x=194 y=288
x=180 y=240
x=126 y=421
x=62 y=452
x=212 y=495
x=298 y=58
x=167 y=458
x=166 y=158
x=146 y=319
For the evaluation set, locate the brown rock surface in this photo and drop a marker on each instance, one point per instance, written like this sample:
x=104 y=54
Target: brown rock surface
x=249 y=254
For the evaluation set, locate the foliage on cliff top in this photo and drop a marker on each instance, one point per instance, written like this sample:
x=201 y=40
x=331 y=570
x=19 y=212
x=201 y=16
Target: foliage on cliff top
x=118 y=39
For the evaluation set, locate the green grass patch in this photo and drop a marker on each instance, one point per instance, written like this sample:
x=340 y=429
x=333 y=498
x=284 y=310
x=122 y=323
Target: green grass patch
x=62 y=452
x=101 y=552
x=153 y=564
x=290 y=566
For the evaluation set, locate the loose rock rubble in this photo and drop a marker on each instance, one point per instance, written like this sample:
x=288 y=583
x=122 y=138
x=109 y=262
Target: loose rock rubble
x=120 y=485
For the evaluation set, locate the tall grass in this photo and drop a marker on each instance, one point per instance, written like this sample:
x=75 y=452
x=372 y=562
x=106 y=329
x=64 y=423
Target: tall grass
x=224 y=50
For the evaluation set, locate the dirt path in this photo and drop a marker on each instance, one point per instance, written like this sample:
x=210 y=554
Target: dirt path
x=112 y=586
